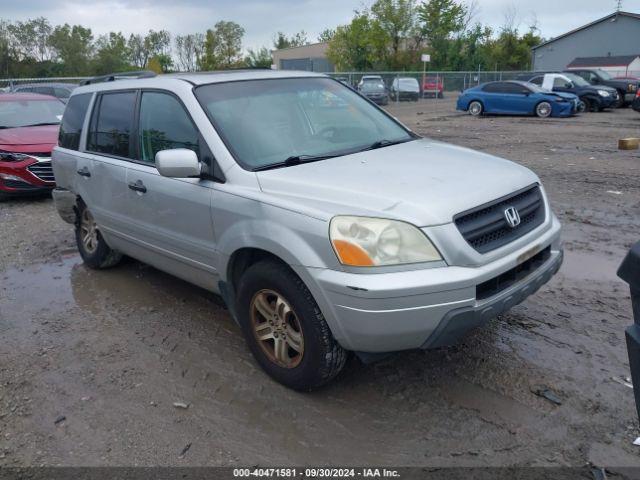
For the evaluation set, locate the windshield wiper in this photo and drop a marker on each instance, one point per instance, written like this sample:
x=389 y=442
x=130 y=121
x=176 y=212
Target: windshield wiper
x=39 y=124
x=385 y=143
x=295 y=160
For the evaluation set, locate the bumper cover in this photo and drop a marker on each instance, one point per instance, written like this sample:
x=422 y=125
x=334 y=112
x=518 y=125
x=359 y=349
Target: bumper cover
x=65 y=202
x=403 y=310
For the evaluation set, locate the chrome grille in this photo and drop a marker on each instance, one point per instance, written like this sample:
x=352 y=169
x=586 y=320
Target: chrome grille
x=42 y=170
x=485 y=228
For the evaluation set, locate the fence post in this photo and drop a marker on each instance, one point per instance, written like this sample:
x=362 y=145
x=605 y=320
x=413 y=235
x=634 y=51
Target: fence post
x=397 y=89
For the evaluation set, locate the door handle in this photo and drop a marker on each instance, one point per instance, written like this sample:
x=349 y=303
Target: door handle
x=138 y=186
x=84 y=172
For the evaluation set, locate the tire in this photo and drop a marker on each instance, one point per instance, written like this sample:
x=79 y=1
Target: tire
x=543 y=110
x=620 y=102
x=310 y=356
x=582 y=107
x=93 y=249
x=476 y=108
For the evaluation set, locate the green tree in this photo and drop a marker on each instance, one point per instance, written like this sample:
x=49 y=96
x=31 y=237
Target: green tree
x=189 y=50
x=326 y=35
x=395 y=24
x=260 y=58
x=142 y=48
x=282 y=41
x=441 y=21
x=353 y=46
x=73 y=46
x=112 y=54
x=222 y=46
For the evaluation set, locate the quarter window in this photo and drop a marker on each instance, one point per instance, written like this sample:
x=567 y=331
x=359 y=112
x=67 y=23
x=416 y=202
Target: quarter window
x=111 y=126
x=164 y=124
x=72 y=121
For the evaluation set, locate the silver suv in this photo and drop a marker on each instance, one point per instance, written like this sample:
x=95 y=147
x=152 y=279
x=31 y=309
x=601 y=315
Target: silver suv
x=325 y=224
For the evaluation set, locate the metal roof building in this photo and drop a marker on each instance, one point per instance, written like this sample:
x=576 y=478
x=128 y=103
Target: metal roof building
x=615 y=35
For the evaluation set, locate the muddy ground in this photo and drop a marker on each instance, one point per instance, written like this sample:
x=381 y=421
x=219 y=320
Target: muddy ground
x=91 y=363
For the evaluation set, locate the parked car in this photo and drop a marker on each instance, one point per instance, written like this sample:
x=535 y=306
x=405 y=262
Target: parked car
x=369 y=78
x=61 y=91
x=405 y=88
x=636 y=102
x=433 y=86
x=375 y=91
x=325 y=229
x=28 y=132
x=592 y=98
x=626 y=88
x=516 y=98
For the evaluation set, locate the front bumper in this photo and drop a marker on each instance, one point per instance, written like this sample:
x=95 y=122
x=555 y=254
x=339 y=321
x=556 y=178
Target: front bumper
x=426 y=308
x=20 y=178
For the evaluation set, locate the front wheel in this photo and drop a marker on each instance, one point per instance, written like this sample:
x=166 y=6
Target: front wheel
x=475 y=108
x=582 y=106
x=92 y=247
x=285 y=329
x=543 y=109
x=620 y=100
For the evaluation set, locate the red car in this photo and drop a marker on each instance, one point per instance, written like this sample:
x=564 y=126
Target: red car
x=433 y=86
x=29 y=126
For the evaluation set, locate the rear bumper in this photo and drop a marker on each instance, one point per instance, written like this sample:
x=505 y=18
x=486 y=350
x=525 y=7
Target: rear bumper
x=387 y=312
x=65 y=202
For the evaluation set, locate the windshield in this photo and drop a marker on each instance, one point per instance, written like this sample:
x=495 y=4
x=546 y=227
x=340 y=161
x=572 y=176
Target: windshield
x=604 y=75
x=265 y=122
x=30 y=112
x=577 y=80
x=372 y=86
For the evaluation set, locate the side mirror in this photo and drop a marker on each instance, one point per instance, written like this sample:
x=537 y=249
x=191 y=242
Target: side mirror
x=178 y=163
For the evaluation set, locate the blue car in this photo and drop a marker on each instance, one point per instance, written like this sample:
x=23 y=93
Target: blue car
x=517 y=98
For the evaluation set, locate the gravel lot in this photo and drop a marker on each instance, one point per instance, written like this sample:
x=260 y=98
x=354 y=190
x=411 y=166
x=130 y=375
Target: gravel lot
x=91 y=363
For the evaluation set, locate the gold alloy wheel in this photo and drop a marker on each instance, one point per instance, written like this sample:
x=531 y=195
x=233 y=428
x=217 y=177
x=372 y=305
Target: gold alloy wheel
x=88 y=232
x=277 y=329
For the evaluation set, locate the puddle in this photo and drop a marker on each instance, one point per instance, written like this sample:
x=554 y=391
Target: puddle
x=591 y=266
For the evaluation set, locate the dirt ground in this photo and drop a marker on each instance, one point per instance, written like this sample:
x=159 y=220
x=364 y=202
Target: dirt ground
x=91 y=363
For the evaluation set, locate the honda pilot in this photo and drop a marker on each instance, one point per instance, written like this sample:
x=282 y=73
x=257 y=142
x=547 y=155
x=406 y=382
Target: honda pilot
x=326 y=225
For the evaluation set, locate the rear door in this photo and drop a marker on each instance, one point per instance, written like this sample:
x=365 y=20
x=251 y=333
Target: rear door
x=171 y=216
x=110 y=148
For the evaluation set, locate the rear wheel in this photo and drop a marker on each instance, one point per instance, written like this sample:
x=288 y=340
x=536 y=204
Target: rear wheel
x=543 y=109
x=476 y=108
x=285 y=328
x=92 y=247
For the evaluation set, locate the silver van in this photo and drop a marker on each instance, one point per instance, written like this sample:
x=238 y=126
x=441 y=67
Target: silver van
x=325 y=224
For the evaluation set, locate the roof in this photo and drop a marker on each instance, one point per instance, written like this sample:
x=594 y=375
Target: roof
x=21 y=97
x=611 y=61
x=614 y=14
x=196 y=78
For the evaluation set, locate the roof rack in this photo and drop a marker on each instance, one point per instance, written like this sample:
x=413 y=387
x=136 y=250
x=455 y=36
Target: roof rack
x=119 y=76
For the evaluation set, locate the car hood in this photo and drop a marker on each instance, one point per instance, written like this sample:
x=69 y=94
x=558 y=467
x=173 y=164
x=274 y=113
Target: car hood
x=29 y=139
x=423 y=182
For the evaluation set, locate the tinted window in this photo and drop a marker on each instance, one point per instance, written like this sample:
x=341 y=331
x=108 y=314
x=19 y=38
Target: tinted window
x=560 y=83
x=493 y=87
x=164 y=124
x=536 y=81
x=71 y=126
x=112 y=125
x=513 y=88
x=61 y=92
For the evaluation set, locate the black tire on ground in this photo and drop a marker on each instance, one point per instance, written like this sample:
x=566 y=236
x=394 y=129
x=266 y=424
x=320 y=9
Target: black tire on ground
x=587 y=105
x=321 y=358
x=94 y=251
x=476 y=108
x=620 y=102
x=543 y=110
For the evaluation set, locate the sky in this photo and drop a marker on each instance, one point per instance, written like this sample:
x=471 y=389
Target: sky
x=262 y=18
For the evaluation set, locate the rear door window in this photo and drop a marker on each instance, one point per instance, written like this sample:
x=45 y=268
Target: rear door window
x=164 y=124
x=72 y=121
x=112 y=124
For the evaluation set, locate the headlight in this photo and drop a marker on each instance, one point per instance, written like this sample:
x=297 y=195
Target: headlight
x=603 y=93
x=368 y=242
x=12 y=157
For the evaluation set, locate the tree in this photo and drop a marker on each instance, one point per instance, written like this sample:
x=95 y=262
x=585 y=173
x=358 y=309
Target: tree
x=31 y=39
x=73 y=47
x=395 y=23
x=326 y=35
x=189 y=50
x=441 y=20
x=260 y=58
x=112 y=54
x=222 y=46
x=137 y=51
x=154 y=43
x=352 y=46
x=282 y=41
